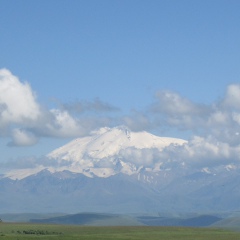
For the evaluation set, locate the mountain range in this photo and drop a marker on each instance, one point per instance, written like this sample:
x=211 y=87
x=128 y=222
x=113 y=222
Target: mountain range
x=114 y=170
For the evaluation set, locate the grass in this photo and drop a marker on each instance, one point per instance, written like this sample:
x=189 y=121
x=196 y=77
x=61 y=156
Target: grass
x=20 y=231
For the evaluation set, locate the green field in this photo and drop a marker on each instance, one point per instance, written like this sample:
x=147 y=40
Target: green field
x=20 y=231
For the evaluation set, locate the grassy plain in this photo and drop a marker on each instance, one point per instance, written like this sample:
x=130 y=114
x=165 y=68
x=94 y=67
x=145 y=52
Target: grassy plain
x=20 y=231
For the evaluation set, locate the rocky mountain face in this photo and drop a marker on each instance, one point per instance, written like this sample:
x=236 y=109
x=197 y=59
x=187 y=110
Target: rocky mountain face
x=119 y=171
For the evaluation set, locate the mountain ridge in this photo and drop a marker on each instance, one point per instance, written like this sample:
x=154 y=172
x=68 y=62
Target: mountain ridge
x=126 y=180
x=105 y=152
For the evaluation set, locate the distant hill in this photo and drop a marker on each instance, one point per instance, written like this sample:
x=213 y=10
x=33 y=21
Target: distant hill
x=25 y=217
x=100 y=219
x=96 y=219
x=198 y=221
x=232 y=221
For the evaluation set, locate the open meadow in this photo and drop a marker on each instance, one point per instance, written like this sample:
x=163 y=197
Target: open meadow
x=21 y=231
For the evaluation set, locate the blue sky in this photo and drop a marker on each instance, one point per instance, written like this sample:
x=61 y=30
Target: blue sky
x=168 y=67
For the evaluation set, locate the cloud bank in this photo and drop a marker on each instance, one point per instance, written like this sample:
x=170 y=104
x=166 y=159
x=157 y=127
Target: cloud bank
x=24 y=120
x=215 y=127
x=17 y=101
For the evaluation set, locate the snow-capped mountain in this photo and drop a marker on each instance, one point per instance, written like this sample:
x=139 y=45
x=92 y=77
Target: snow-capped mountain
x=108 y=142
x=116 y=170
x=111 y=150
x=105 y=152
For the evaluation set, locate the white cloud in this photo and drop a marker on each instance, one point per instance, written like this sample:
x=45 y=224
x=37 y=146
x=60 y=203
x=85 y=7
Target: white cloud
x=64 y=125
x=220 y=119
x=21 y=137
x=198 y=153
x=141 y=157
x=232 y=97
x=216 y=126
x=172 y=103
x=32 y=162
x=137 y=121
x=25 y=121
x=176 y=111
x=61 y=123
x=202 y=152
x=17 y=100
x=236 y=117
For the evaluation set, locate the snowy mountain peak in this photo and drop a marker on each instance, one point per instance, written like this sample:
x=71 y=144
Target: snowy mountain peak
x=103 y=130
x=106 y=152
x=107 y=142
x=125 y=129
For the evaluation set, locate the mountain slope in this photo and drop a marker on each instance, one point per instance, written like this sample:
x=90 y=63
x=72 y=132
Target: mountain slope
x=118 y=171
x=108 y=142
x=104 y=153
x=100 y=219
x=70 y=192
x=110 y=151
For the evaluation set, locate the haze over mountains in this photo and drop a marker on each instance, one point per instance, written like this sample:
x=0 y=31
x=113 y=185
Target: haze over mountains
x=119 y=171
